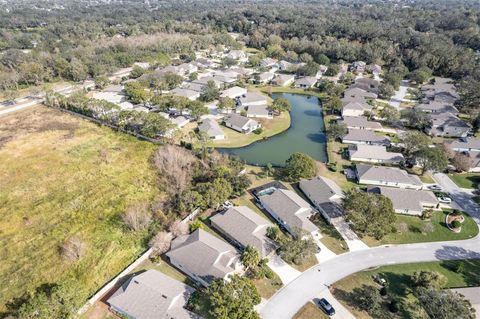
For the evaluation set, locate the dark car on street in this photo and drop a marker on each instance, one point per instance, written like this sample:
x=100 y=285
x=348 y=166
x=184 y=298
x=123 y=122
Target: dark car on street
x=326 y=306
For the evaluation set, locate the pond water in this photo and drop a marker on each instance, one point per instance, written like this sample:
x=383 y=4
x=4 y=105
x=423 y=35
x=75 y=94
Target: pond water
x=306 y=135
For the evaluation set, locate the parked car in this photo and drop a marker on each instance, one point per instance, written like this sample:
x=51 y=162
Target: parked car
x=326 y=306
x=318 y=249
x=445 y=200
x=435 y=187
x=227 y=204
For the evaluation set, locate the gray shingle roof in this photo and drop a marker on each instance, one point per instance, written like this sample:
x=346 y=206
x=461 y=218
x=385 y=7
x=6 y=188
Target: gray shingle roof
x=407 y=199
x=378 y=152
x=321 y=189
x=258 y=110
x=246 y=227
x=237 y=120
x=204 y=255
x=253 y=97
x=365 y=136
x=388 y=174
x=211 y=127
x=437 y=107
x=306 y=81
x=152 y=295
x=360 y=121
x=469 y=143
x=291 y=208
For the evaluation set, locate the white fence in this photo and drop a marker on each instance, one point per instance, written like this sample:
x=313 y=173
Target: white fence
x=114 y=281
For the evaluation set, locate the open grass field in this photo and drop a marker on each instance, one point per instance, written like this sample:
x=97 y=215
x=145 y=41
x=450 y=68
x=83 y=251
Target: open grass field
x=416 y=233
x=466 y=180
x=400 y=284
x=62 y=176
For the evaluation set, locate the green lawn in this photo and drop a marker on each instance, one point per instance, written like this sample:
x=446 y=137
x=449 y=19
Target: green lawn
x=267 y=287
x=416 y=232
x=270 y=128
x=310 y=311
x=399 y=283
x=331 y=237
x=466 y=180
x=61 y=176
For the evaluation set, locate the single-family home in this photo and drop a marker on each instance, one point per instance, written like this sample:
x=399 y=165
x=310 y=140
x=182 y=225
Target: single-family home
x=360 y=123
x=205 y=63
x=447 y=125
x=374 y=154
x=151 y=294
x=386 y=176
x=264 y=78
x=113 y=93
x=253 y=98
x=205 y=79
x=194 y=86
x=359 y=66
x=474 y=161
x=285 y=65
x=376 y=69
x=204 y=257
x=355 y=108
x=408 y=201
x=241 y=71
x=465 y=144
x=237 y=55
x=289 y=210
x=355 y=94
x=367 y=84
x=435 y=107
x=180 y=121
x=189 y=94
x=283 y=79
x=268 y=62
x=306 y=82
x=234 y=92
x=213 y=130
x=261 y=111
x=241 y=123
x=355 y=136
x=440 y=90
x=325 y=195
x=244 y=227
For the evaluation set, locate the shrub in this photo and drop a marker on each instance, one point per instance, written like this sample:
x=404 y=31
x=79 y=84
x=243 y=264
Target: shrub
x=456 y=224
x=258 y=131
x=393 y=306
x=460 y=268
x=455 y=212
x=383 y=291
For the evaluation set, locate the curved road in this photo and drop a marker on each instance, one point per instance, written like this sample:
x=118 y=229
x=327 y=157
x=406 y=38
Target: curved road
x=311 y=283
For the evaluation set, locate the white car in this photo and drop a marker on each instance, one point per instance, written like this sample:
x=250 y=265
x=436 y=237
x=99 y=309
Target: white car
x=445 y=200
x=435 y=187
x=227 y=204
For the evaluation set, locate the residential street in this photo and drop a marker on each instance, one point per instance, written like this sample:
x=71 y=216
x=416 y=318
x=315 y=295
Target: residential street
x=313 y=282
x=399 y=95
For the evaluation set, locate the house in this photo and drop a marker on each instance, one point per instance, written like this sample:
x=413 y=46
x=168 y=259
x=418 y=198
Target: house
x=253 y=98
x=374 y=154
x=325 y=195
x=366 y=84
x=241 y=71
x=268 y=62
x=465 y=144
x=186 y=68
x=440 y=90
x=237 y=55
x=447 y=125
x=264 y=78
x=435 y=107
x=365 y=137
x=376 y=69
x=213 y=130
x=195 y=86
x=204 y=257
x=285 y=66
x=234 y=92
x=356 y=94
x=205 y=63
x=112 y=93
x=355 y=108
x=289 y=210
x=205 y=79
x=244 y=227
x=306 y=82
x=408 y=201
x=180 y=121
x=360 y=123
x=189 y=94
x=359 y=66
x=152 y=295
x=241 y=123
x=474 y=161
x=283 y=79
x=261 y=111
x=386 y=176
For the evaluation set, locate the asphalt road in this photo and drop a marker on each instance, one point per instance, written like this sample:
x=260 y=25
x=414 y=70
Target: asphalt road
x=313 y=282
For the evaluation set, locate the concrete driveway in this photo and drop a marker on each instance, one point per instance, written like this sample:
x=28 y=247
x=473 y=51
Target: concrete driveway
x=340 y=311
x=353 y=242
x=286 y=272
x=399 y=96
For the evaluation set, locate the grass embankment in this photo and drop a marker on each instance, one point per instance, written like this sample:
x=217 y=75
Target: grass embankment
x=270 y=127
x=416 y=230
x=310 y=311
x=466 y=180
x=400 y=284
x=62 y=176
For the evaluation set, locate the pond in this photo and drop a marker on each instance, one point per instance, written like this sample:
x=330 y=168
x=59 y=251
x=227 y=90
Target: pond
x=306 y=135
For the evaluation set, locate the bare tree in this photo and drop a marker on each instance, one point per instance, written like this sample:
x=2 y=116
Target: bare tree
x=177 y=228
x=137 y=217
x=462 y=162
x=402 y=228
x=73 y=248
x=160 y=243
x=176 y=166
